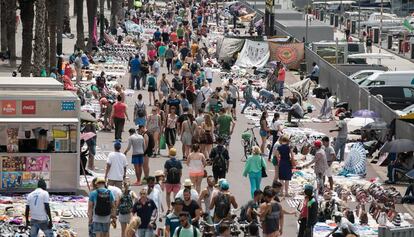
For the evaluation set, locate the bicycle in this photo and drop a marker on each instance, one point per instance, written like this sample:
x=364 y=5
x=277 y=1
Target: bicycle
x=249 y=228
x=248 y=141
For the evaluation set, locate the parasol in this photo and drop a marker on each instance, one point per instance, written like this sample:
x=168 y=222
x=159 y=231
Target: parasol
x=87 y=135
x=356 y=162
x=398 y=146
x=358 y=123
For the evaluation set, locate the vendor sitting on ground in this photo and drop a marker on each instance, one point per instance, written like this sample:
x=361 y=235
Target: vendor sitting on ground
x=401 y=165
x=295 y=110
x=343 y=227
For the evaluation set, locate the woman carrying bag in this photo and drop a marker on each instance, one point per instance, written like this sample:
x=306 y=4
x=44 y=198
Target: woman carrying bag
x=254 y=167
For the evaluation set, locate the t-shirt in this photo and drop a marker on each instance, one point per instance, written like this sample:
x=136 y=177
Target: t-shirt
x=169 y=54
x=281 y=74
x=93 y=198
x=137 y=143
x=135 y=65
x=144 y=211
x=117 y=192
x=157 y=35
x=187 y=232
x=298 y=109
x=343 y=132
x=207 y=91
x=180 y=32
x=184 y=52
x=275 y=126
x=161 y=50
x=156 y=68
x=119 y=109
x=36 y=201
x=118 y=162
x=173 y=221
x=173 y=37
x=224 y=122
x=194 y=194
x=233 y=91
x=173 y=162
x=191 y=208
x=329 y=151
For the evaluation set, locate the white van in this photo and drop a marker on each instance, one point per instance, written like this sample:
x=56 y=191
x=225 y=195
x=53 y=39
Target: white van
x=391 y=78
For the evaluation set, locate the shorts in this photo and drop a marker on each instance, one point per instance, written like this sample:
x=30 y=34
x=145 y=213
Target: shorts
x=100 y=227
x=137 y=159
x=328 y=172
x=210 y=80
x=91 y=145
x=263 y=133
x=233 y=102
x=151 y=89
x=124 y=218
x=116 y=183
x=172 y=188
x=197 y=173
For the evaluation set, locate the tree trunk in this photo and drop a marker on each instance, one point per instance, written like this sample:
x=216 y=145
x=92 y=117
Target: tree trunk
x=80 y=37
x=39 y=49
x=115 y=8
x=101 y=22
x=52 y=19
x=130 y=4
x=108 y=4
x=66 y=17
x=11 y=30
x=74 y=8
x=92 y=10
x=3 y=25
x=27 y=16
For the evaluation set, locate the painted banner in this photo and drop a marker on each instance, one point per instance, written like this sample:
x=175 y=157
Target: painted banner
x=253 y=54
x=290 y=55
x=24 y=171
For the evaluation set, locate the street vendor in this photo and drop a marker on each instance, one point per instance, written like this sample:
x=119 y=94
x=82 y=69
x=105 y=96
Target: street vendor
x=343 y=227
x=308 y=213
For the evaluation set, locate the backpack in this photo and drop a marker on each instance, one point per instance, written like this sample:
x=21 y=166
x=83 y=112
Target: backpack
x=140 y=109
x=151 y=142
x=173 y=175
x=219 y=163
x=151 y=82
x=103 y=203
x=222 y=205
x=125 y=204
x=178 y=64
x=194 y=231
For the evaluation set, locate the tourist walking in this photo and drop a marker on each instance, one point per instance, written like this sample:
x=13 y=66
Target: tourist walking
x=285 y=157
x=186 y=229
x=173 y=172
x=163 y=87
x=207 y=135
x=146 y=210
x=225 y=126
x=172 y=220
x=126 y=202
x=170 y=131
x=137 y=143
x=271 y=215
x=264 y=131
x=308 y=214
x=116 y=166
x=154 y=126
x=188 y=131
x=235 y=96
x=253 y=167
x=249 y=98
x=341 y=138
x=134 y=68
x=118 y=116
x=140 y=112
x=276 y=130
x=196 y=163
x=149 y=148
x=220 y=158
x=152 y=87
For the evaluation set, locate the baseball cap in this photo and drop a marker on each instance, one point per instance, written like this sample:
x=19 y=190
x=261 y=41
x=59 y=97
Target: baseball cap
x=317 y=143
x=224 y=185
x=100 y=180
x=117 y=145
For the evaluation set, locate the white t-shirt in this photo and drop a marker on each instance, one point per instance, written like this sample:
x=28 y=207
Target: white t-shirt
x=194 y=194
x=118 y=162
x=276 y=126
x=116 y=191
x=209 y=72
x=207 y=91
x=156 y=196
x=36 y=201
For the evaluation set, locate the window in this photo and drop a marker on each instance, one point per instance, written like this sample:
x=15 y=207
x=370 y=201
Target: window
x=408 y=92
x=376 y=83
x=363 y=75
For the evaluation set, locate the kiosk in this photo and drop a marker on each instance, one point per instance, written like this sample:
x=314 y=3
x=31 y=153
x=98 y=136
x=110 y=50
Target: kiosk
x=39 y=138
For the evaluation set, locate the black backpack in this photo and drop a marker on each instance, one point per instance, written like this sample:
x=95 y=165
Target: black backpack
x=140 y=109
x=103 y=203
x=222 y=205
x=219 y=163
x=151 y=141
x=173 y=175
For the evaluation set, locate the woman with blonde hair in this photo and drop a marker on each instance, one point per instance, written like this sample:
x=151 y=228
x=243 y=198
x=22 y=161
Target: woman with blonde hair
x=285 y=157
x=196 y=163
x=207 y=136
x=253 y=168
x=133 y=226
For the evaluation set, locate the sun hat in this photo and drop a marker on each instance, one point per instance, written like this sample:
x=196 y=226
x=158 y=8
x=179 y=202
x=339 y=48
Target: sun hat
x=158 y=173
x=100 y=180
x=187 y=183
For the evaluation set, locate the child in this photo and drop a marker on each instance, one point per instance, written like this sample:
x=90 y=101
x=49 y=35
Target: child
x=133 y=226
x=125 y=205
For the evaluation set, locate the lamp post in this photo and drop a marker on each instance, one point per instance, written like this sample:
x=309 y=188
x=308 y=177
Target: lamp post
x=307 y=23
x=359 y=19
x=380 y=32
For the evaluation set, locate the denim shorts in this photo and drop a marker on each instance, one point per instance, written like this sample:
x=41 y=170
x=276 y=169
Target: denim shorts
x=100 y=227
x=137 y=159
x=263 y=133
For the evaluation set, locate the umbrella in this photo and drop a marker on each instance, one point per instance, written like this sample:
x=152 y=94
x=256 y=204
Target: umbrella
x=87 y=135
x=364 y=113
x=398 y=145
x=378 y=125
x=85 y=116
x=410 y=174
x=356 y=162
x=358 y=123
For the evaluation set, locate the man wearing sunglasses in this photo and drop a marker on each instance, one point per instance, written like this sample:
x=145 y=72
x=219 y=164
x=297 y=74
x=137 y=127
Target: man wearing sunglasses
x=146 y=209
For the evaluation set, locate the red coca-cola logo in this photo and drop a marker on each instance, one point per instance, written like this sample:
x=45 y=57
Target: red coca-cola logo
x=28 y=107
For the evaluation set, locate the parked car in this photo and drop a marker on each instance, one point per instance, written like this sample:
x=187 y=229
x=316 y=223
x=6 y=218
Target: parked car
x=391 y=78
x=396 y=97
x=360 y=76
x=405 y=111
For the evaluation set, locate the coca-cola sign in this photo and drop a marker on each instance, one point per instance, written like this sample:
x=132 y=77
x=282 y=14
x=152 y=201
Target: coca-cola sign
x=8 y=107
x=28 y=107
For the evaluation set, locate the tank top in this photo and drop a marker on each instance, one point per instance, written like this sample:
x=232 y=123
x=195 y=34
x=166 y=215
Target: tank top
x=153 y=122
x=171 y=122
x=271 y=221
x=207 y=199
x=196 y=166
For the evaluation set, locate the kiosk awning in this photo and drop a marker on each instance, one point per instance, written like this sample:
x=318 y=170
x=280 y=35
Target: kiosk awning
x=39 y=120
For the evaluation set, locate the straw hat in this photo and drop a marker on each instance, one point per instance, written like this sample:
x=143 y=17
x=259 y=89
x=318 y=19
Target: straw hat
x=159 y=173
x=187 y=182
x=100 y=180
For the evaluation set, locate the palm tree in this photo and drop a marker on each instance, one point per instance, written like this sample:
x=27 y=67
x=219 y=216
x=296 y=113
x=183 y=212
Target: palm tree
x=66 y=17
x=40 y=49
x=11 y=30
x=115 y=9
x=80 y=38
x=3 y=32
x=91 y=6
x=52 y=19
x=27 y=16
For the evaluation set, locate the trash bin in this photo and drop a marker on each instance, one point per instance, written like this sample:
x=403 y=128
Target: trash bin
x=389 y=42
x=375 y=40
x=336 y=21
